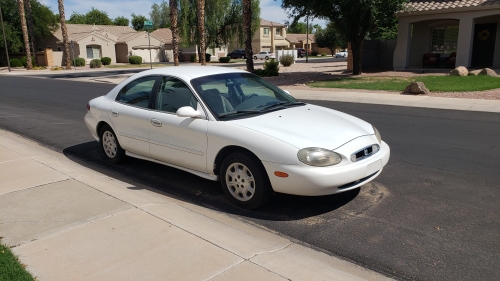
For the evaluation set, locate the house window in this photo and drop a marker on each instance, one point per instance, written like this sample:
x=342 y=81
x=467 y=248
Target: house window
x=266 y=31
x=278 y=30
x=94 y=52
x=444 y=40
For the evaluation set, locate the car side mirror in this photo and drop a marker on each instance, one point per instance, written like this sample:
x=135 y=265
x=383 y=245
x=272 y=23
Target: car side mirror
x=188 y=111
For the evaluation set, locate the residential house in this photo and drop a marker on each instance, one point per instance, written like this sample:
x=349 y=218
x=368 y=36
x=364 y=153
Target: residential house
x=165 y=34
x=462 y=32
x=300 y=41
x=97 y=41
x=270 y=36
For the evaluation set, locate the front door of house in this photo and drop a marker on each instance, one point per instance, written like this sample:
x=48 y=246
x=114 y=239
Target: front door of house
x=484 y=44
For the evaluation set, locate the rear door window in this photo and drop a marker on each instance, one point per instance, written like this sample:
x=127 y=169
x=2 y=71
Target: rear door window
x=138 y=92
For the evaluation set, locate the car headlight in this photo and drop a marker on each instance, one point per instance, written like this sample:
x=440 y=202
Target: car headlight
x=377 y=134
x=320 y=157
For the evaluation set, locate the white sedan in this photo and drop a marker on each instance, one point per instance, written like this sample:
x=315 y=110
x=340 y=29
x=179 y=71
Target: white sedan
x=264 y=56
x=341 y=54
x=231 y=126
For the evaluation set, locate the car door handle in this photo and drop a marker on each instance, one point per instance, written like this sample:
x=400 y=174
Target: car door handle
x=156 y=122
x=114 y=113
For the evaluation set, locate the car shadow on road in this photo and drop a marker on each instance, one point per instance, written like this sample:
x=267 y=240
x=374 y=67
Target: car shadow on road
x=167 y=181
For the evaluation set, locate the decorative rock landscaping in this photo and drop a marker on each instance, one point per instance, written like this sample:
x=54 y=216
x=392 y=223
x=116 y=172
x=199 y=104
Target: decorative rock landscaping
x=463 y=71
x=416 y=88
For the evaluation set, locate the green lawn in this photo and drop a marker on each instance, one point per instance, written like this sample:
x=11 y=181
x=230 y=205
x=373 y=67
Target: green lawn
x=10 y=268
x=433 y=83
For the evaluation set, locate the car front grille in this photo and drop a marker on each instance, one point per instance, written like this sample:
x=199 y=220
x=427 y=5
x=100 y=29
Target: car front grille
x=365 y=152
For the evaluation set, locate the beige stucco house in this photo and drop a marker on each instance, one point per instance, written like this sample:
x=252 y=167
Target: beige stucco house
x=462 y=32
x=270 y=36
x=98 y=41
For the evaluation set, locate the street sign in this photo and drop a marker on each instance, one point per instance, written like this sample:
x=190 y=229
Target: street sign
x=148 y=24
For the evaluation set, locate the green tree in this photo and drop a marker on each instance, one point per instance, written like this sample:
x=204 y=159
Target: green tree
x=329 y=38
x=299 y=28
x=223 y=22
x=44 y=22
x=77 y=18
x=352 y=18
x=121 y=21
x=138 y=22
x=160 y=15
x=94 y=16
x=99 y=17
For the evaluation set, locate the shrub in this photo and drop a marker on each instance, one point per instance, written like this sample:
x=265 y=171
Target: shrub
x=39 y=67
x=78 y=62
x=314 y=53
x=271 y=68
x=224 y=59
x=323 y=54
x=135 y=60
x=106 y=61
x=16 y=63
x=24 y=61
x=286 y=60
x=208 y=57
x=192 y=57
x=95 y=63
x=56 y=68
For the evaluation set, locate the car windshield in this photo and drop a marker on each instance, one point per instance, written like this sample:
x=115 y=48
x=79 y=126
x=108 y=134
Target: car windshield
x=232 y=95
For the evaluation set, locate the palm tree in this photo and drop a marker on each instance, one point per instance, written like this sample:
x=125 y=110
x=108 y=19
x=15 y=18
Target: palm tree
x=31 y=29
x=201 y=30
x=24 y=28
x=175 y=30
x=247 y=26
x=64 y=31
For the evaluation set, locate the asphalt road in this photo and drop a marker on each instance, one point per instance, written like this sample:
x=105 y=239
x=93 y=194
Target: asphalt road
x=433 y=213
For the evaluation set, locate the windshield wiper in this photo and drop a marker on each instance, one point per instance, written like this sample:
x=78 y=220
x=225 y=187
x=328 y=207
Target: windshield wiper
x=280 y=104
x=239 y=112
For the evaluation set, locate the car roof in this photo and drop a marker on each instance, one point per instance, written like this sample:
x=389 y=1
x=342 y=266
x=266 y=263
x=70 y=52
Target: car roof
x=190 y=72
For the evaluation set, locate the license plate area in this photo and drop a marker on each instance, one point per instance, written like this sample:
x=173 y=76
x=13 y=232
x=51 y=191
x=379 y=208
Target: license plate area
x=373 y=167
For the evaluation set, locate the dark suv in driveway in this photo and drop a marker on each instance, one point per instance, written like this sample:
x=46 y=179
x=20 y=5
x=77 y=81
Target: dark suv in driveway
x=301 y=52
x=237 y=54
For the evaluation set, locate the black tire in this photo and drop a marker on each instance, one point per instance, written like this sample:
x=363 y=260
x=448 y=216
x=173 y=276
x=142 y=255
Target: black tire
x=254 y=57
x=110 y=145
x=237 y=163
x=267 y=58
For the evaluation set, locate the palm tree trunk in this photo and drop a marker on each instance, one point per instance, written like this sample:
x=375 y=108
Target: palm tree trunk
x=247 y=23
x=64 y=30
x=175 y=30
x=24 y=28
x=31 y=28
x=201 y=30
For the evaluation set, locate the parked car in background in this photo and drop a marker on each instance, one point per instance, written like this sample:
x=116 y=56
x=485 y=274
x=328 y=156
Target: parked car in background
x=301 y=52
x=342 y=54
x=237 y=54
x=264 y=56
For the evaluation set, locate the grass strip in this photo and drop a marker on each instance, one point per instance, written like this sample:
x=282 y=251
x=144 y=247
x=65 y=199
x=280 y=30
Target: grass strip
x=10 y=267
x=433 y=83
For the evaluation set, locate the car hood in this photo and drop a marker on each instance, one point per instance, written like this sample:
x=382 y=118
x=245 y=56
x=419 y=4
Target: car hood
x=308 y=126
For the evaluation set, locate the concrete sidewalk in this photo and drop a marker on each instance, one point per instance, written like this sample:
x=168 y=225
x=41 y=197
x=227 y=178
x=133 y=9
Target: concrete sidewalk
x=70 y=222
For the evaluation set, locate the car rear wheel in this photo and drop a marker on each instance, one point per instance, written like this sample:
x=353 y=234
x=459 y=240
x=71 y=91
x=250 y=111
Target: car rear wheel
x=244 y=181
x=110 y=145
x=267 y=58
x=254 y=57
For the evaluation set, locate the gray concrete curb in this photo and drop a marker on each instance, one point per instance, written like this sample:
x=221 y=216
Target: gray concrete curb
x=70 y=222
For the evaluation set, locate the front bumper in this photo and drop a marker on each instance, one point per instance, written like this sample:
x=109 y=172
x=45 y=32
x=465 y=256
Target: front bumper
x=314 y=181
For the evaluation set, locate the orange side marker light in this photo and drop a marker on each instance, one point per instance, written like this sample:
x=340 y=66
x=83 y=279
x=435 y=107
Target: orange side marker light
x=281 y=174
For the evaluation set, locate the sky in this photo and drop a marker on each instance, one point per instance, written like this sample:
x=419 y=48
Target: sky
x=269 y=9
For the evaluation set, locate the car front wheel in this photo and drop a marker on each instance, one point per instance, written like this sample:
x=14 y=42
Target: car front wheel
x=110 y=145
x=244 y=181
x=255 y=57
x=267 y=58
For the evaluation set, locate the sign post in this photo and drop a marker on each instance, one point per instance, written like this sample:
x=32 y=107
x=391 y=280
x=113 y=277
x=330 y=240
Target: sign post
x=148 y=25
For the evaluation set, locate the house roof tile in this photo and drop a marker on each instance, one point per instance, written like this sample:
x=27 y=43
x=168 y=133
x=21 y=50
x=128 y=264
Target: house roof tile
x=299 y=37
x=78 y=31
x=432 y=5
x=264 y=22
x=164 y=34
